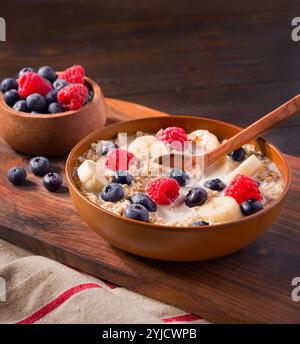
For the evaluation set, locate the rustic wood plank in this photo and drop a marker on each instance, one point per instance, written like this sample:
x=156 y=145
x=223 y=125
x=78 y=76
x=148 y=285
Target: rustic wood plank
x=118 y=10
x=252 y=285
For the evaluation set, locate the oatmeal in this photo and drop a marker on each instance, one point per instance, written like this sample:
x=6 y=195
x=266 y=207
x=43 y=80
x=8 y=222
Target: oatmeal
x=124 y=176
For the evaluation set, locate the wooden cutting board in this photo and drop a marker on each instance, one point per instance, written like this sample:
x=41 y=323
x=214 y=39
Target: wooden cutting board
x=252 y=285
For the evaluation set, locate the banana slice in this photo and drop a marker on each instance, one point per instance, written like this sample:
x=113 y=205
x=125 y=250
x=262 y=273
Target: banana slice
x=147 y=146
x=91 y=180
x=221 y=168
x=219 y=209
x=209 y=140
x=250 y=167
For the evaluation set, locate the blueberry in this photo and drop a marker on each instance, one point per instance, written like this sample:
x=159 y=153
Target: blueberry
x=11 y=97
x=25 y=70
x=48 y=73
x=36 y=112
x=251 y=206
x=180 y=176
x=104 y=147
x=21 y=106
x=36 y=102
x=51 y=96
x=238 y=155
x=122 y=178
x=55 y=108
x=59 y=84
x=140 y=198
x=215 y=184
x=8 y=84
x=137 y=212
x=196 y=196
x=90 y=95
x=52 y=181
x=16 y=175
x=200 y=223
x=39 y=165
x=112 y=192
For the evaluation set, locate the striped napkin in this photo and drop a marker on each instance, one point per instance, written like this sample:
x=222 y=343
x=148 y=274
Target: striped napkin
x=39 y=290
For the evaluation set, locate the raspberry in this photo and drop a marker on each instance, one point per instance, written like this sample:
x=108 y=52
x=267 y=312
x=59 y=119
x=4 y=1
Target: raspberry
x=31 y=82
x=163 y=190
x=73 y=74
x=72 y=96
x=172 y=135
x=242 y=188
x=119 y=159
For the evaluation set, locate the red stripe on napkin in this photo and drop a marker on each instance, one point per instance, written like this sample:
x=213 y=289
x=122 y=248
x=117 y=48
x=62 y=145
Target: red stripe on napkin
x=52 y=305
x=185 y=317
x=110 y=285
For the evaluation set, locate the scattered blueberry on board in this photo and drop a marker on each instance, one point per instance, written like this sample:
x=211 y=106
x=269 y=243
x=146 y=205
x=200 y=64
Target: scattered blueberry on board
x=137 y=212
x=46 y=92
x=17 y=175
x=52 y=181
x=39 y=165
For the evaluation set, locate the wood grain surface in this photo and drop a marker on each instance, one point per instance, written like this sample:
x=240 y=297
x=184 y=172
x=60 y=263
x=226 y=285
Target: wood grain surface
x=252 y=285
x=233 y=62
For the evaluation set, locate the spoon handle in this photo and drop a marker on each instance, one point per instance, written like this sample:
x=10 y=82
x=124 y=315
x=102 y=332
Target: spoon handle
x=264 y=124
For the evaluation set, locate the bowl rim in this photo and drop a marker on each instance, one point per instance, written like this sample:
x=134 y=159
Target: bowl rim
x=97 y=95
x=169 y=228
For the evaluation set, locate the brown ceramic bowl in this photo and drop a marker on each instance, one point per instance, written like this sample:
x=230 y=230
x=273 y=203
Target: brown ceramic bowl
x=167 y=242
x=51 y=134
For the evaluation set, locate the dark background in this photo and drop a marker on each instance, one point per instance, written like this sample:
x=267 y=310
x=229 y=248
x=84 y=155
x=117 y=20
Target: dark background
x=231 y=60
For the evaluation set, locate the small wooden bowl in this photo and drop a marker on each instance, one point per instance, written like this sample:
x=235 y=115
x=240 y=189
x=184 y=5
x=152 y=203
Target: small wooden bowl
x=51 y=134
x=169 y=242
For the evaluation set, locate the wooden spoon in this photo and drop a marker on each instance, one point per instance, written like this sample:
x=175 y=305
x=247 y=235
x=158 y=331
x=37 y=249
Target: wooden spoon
x=252 y=132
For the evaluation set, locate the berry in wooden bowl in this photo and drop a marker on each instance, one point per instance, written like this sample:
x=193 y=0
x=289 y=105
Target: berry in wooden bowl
x=48 y=112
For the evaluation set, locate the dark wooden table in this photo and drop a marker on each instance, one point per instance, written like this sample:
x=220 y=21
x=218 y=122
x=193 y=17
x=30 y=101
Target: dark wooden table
x=231 y=60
